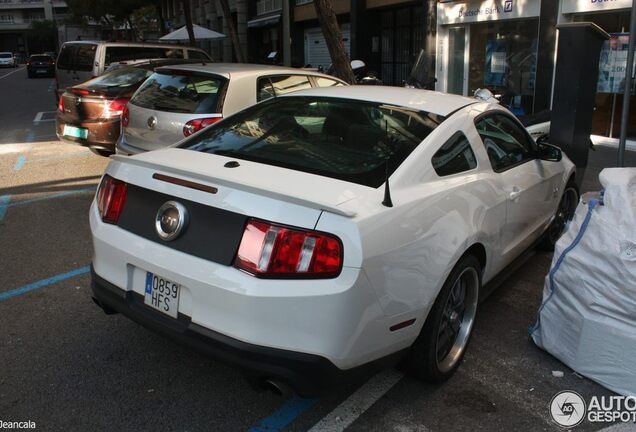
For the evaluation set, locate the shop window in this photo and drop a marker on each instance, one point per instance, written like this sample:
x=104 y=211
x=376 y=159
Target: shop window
x=506 y=143
x=454 y=157
x=503 y=58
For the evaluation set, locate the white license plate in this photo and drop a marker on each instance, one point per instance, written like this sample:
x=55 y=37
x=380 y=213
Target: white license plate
x=162 y=294
x=41 y=71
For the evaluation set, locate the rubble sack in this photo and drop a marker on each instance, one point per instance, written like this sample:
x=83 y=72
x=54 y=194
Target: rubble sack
x=588 y=315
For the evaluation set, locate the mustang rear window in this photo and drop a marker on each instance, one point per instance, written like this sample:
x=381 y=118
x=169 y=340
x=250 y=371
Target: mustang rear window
x=179 y=92
x=350 y=140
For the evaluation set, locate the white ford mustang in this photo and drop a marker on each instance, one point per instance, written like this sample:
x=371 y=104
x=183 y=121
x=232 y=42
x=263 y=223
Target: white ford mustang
x=316 y=235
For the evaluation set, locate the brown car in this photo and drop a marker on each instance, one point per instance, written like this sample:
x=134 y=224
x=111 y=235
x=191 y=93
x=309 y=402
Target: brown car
x=89 y=114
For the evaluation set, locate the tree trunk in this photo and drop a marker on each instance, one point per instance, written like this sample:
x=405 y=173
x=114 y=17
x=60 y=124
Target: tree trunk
x=227 y=15
x=333 y=36
x=162 y=21
x=188 y=20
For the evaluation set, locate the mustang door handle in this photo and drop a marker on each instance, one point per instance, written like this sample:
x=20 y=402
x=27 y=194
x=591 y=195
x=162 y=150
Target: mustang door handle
x=514 y=194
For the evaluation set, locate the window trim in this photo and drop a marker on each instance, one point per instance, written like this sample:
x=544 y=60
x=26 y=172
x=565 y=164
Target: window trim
x=518 y=123
x=452 y=137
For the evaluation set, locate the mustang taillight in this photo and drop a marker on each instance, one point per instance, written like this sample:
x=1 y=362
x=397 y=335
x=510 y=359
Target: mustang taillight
x=111 y=197
x=125 y=116
x=276 y=251
x=197 y=124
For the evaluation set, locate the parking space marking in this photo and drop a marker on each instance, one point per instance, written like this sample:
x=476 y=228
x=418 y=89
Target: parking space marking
x=19 y=163
x=4 y=205
x=358 y=403
x=40 y=117
x=11 y=73
x=43 y=283
x=284 y=415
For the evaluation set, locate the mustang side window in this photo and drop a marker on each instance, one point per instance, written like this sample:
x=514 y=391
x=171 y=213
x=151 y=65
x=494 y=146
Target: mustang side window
x=506 y=144
x=454 y=156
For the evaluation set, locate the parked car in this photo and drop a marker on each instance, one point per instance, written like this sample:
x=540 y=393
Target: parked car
x=89 y=114
x=7 y=60
x=40 y=65
x=80 y=61
x=318 y=234
x=176 y=102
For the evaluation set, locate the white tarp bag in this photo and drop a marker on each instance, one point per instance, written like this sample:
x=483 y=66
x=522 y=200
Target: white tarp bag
x=588 y=315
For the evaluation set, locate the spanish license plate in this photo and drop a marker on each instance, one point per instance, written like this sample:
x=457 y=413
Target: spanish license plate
x=162 y=294
x=41 y=71
x=75 y=132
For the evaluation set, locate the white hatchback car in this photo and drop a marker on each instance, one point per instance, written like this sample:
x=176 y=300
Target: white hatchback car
x=273 y=240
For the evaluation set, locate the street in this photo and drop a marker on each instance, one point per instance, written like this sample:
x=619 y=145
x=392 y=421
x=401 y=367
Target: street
x=67 y=366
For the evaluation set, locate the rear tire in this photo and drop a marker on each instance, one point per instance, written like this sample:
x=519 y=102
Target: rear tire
x=564 y=214
x=101 y=152
x=439 y=349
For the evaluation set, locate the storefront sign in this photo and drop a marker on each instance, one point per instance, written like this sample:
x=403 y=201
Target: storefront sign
x=613 y=64
x=491 y=10
x=576 y=6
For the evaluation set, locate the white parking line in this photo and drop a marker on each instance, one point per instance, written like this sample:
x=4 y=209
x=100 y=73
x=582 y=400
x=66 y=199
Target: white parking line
x=360 y=401
x=38 y=117
x=10 y=73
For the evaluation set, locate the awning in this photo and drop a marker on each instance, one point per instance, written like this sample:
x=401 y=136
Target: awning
x=264 y=21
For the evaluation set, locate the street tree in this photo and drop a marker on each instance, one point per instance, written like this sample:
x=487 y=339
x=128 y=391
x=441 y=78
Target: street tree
x=188 y=20
x=333 y=37
x=227 y=16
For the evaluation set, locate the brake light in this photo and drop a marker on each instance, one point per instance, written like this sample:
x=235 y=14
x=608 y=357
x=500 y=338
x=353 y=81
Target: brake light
x=197 y=124
x=125 y=116
x=276 y=251
x=114 y=108
x=60 y=104
x=82 y=92
x=111 y=197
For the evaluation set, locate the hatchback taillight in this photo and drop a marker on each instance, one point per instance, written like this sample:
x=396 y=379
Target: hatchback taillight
x=60 y=104
x=197 y=124
x=111 y=197
x=114 y=108
x=276 y=251
x=125 y=116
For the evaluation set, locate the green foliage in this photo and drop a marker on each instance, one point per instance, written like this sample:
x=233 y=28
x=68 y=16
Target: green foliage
x=107 y=10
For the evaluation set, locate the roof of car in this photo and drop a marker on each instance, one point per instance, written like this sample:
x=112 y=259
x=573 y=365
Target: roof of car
x=422 y=100
x=243 y=69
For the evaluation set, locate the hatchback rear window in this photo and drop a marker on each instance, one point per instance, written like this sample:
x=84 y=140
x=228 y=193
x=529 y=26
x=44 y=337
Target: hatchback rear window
x=122 y=77
x=180 y=92
x=355 y=141
x=79 y=57
x=40 y=58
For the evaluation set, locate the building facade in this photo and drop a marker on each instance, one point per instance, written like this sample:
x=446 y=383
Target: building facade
x=16 y=17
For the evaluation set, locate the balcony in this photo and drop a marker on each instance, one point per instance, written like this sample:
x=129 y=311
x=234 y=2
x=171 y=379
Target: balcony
x=29 y=4
x=264 y=7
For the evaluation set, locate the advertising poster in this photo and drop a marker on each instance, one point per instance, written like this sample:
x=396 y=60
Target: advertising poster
x=496 y=62
x=613 y=64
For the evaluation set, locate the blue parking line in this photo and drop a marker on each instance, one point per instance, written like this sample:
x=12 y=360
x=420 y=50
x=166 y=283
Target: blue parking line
x=43 y=283
x=4 y=205
x=19 y=163
x=30 y=137
x=283 y=416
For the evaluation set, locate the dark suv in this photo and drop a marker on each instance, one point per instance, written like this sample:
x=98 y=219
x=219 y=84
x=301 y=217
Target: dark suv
x=40 y=65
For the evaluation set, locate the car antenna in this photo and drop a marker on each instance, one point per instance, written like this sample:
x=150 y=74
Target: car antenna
x=387 y=190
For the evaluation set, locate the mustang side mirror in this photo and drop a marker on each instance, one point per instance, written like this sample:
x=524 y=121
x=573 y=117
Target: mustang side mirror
x=549 y=152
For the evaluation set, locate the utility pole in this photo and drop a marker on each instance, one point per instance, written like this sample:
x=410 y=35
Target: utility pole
x=286 y=34
x=627 y=93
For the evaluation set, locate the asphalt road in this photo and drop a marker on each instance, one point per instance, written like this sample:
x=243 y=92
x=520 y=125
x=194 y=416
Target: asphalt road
x=67 y=366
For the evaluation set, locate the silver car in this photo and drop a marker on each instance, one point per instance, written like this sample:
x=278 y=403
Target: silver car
x=177 y=101
x=7 y=60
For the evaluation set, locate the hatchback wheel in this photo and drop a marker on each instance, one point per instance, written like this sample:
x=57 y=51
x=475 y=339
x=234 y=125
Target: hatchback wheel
x=564 y=214
x=441 y=345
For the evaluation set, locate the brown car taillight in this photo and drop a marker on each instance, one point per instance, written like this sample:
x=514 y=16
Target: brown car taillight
x=111 y=197
x=196 y=125
x=114 y=108
x=60 y=104
x=125 y=116
x=276 y=251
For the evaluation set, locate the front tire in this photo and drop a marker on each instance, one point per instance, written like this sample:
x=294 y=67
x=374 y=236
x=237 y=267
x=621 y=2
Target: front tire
x=441 y=345
x=564 y=214
x=101 y=152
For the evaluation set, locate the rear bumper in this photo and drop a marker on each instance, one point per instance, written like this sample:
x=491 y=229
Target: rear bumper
x=126 y=149
x=102 y=135
x=307 y=374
